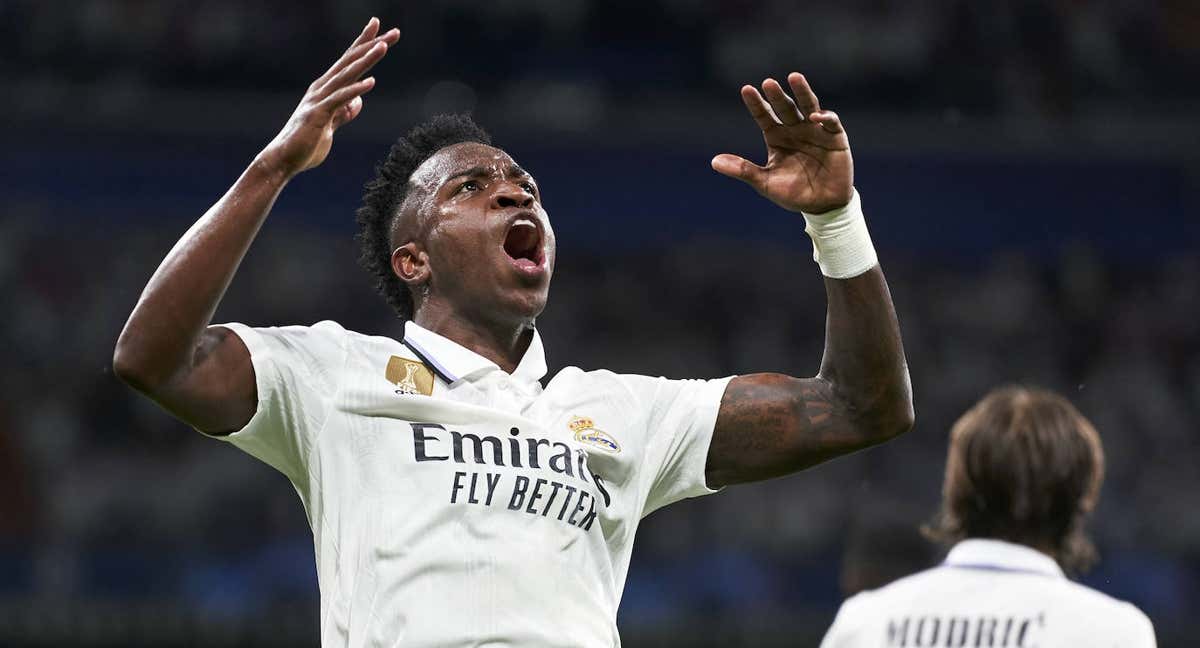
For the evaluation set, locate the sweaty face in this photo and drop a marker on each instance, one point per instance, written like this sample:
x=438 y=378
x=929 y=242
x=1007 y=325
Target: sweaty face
x=489 y=243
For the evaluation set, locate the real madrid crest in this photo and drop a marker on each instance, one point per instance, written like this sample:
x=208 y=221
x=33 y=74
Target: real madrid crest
x=586 y=432
x=409 y=376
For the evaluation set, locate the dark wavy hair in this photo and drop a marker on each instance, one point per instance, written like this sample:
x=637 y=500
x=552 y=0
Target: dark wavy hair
x=385 y=194
x=1023 y=466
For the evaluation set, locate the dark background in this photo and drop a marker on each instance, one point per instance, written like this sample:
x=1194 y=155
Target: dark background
x=1029 y=170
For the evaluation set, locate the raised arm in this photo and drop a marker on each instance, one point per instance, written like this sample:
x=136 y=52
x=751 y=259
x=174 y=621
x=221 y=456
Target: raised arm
x=772 y=424
x=167 y=350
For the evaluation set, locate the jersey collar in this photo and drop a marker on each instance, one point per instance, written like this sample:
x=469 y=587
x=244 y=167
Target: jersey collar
x=453 y=362
x=998 y=555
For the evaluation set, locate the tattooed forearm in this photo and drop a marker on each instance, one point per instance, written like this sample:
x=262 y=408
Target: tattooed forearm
x=772 y=424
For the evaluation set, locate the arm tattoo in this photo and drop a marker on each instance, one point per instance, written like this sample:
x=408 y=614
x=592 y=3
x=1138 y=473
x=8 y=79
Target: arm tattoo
x=767 y=423
x=772 y=424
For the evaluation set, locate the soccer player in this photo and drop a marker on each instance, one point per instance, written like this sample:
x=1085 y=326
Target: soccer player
x=454 y=499
x=1022 y=475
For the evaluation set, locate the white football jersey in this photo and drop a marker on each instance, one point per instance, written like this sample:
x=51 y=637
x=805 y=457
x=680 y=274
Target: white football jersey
x=989 y=593
x=454 y=504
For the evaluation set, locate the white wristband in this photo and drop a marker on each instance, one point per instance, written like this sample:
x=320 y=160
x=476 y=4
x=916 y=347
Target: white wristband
x=841 y=243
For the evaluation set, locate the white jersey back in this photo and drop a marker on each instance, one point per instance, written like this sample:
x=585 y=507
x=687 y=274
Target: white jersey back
x=989 y=593
x=454 y=504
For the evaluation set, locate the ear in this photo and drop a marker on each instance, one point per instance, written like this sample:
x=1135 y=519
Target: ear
x=411 y=264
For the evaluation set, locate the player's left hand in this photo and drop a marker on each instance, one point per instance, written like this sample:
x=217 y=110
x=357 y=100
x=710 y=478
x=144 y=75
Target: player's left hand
x=809 y=167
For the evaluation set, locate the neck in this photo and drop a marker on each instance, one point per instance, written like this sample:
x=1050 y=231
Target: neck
x=1041 y=546
x=502 y=343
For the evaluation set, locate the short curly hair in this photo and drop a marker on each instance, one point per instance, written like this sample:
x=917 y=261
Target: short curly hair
x=385 y=194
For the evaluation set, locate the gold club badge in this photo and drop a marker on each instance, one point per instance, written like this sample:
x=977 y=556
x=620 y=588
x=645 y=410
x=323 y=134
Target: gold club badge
x=409 y=376
x=586 y=432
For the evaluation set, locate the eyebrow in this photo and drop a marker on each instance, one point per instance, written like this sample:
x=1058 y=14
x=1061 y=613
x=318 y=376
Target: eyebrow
x=482 y=171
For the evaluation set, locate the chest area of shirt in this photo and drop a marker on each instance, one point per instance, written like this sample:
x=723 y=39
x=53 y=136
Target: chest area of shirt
x=498 y=421
x=544 y=460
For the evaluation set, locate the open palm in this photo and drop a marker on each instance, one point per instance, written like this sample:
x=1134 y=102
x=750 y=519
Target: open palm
x=808 y=167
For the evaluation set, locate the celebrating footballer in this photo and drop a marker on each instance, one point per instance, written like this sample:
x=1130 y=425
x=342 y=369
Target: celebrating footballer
x=456 y=496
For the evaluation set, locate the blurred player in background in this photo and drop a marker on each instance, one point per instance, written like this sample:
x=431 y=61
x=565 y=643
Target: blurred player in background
x=455 y=500
x=1022 y=475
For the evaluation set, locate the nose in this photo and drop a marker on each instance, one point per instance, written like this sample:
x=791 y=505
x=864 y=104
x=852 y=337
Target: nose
x=511 y=195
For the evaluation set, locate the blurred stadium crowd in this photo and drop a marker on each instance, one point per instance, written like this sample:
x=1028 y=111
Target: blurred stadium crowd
x=1029 y=56
x=118 y=522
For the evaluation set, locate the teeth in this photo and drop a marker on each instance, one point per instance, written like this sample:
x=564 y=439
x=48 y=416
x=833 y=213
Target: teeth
x=524 y=221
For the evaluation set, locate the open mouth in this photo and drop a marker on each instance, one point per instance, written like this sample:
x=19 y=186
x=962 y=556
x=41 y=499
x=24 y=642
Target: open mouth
x=523 y=244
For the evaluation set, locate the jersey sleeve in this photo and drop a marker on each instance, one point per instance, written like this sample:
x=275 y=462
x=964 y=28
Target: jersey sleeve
x=297 y=373
x=680 y=416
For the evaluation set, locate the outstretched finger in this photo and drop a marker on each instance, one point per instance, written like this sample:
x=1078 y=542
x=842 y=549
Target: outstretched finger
x=782 y=105
x=355 y=69
x=759 y=109
x=805 y=98
x=828 y=121
x=739 y=168
x=343 y=96
x=388 y=38
x=367 y=34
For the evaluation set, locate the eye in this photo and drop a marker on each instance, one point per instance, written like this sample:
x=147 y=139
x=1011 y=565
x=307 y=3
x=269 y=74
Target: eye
x=528 y=186
x=469 y=185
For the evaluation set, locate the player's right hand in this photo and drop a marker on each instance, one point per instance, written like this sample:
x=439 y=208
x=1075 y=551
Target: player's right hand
x=809 y=168
x=332 y=100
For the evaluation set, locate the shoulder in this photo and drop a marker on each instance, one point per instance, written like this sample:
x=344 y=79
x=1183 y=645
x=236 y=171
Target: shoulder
x=639 y=388
x=323 y=343
x=324 y=328
x=1141 y=629
x=316 y=344
x=366 y=353
x=862 y=613
x=1096 y=599
x=330 y=334
x=298 y=335
x=902 y=589
x=1119 y=616
x=599 y=381
x=354 y=339
x=601 y=389
x=324 y=348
